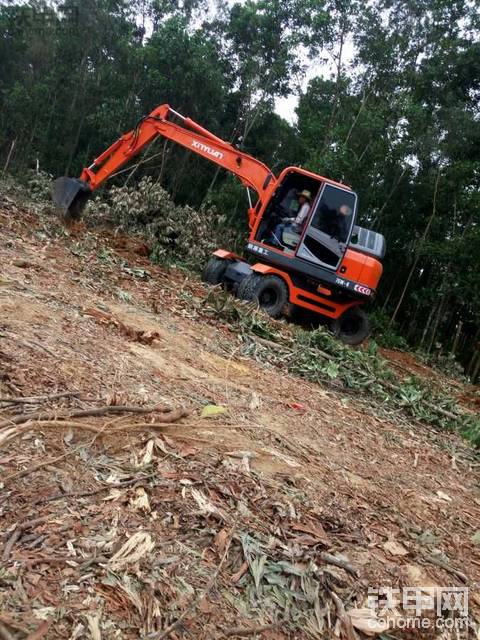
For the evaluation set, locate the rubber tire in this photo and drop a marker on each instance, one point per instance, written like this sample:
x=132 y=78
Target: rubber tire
x=254 y=288
x=352 y=327
x=214 y=271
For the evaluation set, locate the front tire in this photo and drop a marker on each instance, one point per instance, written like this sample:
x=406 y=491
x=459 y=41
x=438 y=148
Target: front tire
x=214 y=271
x=352 y=327
x=269 y=292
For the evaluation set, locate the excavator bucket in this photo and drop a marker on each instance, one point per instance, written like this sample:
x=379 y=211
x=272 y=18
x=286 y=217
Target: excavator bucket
x=70 y=196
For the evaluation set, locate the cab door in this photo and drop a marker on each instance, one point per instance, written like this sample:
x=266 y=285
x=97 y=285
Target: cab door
x=329 y=228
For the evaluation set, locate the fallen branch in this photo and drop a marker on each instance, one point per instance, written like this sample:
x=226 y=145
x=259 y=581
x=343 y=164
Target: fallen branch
x=6 y=620
x=40 y=631
x=193 y=605
x=5 y=633
x=137 y=335
x=37 y=399
x=168 y=418
x=443 y=564
x=10 y=544
x=161 y=421
x=26 y=472
x=21 y=526
x=84 y=494
x=432 y=407
x=82 y=413
x=316 y=353
x=11 y=434
x=344 y=617
x=329 y=558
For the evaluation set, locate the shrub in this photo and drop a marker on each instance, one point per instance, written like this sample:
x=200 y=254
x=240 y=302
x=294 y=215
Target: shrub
x=386 y=334
x=177 y=233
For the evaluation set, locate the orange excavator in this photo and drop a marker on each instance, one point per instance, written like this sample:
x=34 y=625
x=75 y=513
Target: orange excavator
x=323 y=263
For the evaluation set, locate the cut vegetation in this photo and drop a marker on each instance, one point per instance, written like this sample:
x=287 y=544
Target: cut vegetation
x=174 y=462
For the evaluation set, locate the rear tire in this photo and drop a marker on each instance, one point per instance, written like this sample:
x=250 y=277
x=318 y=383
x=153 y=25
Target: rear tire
x=214 y=271
x=269 y=292
x=352 y=327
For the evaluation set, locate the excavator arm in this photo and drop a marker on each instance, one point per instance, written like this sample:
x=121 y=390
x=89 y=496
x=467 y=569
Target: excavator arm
x=71 y=194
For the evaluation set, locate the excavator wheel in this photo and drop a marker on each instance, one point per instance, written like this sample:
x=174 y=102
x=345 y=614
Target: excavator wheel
x=269 y=292
x=214 y=271
x=352 y=327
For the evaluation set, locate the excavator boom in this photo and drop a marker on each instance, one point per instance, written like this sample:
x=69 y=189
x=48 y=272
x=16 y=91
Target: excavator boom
x=71 y=194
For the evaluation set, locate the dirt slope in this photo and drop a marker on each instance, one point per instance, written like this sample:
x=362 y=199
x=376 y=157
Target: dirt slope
x=243 y=505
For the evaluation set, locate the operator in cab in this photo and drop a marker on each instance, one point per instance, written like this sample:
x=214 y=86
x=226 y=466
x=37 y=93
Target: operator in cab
x=340 y=223
x=295 y=224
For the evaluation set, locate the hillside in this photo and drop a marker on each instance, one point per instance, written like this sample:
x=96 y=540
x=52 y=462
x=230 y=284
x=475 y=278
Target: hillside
x=171 y=517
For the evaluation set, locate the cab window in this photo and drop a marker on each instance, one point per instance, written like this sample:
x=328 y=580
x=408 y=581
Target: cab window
x=334 y=213
x=327 y=234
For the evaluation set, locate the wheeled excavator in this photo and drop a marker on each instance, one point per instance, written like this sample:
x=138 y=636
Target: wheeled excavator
x=326 y=268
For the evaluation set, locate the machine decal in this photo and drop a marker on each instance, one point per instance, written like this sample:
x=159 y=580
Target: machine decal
x=203 y=147
x=254 y=247
x=343 y=283
x=363 y=290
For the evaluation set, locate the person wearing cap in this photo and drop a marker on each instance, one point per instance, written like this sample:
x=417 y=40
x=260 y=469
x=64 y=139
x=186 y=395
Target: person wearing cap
x=295 y=224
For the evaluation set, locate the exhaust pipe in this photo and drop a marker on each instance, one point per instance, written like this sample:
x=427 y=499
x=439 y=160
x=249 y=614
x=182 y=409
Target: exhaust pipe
x=70 y=195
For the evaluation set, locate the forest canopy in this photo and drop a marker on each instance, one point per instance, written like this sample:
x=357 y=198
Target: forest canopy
x=388 y=102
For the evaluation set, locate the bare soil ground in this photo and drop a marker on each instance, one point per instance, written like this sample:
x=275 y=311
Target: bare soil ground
x=272 y=519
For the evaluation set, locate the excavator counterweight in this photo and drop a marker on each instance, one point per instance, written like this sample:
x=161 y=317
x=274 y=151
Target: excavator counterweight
x=308 y=256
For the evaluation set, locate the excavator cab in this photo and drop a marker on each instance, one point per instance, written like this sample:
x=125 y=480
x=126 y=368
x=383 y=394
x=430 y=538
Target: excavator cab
x=327 y=266
x=323 y=238
x=283 y=203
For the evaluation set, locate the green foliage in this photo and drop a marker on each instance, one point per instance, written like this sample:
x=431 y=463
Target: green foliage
x=445 y=362
x=386 y=334
x=177 y=233
x=39 y=185
x=319 y=357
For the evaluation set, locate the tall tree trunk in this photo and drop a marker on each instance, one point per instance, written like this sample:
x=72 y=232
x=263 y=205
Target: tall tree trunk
x=9 y=157
x=427 y=325
x=391 y=290
x=417 y=257
x=79 y=86
x=180 y=172
x=355 y=120
x=476 y=369
x=456 y=338
x=390 y=194
x=165 y=152
x=470 y=369
x=336 y=99
x=438 y=315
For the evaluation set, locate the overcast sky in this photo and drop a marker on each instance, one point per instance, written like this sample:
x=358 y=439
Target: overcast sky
x=285 y=107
